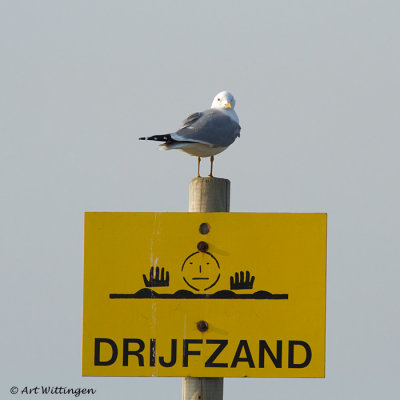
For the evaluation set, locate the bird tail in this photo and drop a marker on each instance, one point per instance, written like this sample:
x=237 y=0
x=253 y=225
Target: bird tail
x=158 y=138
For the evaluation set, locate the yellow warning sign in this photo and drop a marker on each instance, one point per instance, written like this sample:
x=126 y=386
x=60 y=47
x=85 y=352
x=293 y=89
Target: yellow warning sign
x=204 y=294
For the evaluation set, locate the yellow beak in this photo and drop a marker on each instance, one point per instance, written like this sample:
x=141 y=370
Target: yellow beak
x=228 y=105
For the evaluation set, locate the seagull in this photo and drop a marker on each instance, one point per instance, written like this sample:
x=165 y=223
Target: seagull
x=206 y=133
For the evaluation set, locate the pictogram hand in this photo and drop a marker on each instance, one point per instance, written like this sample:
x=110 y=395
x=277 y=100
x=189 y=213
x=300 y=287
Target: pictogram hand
x=239 y=281
x=158 y=280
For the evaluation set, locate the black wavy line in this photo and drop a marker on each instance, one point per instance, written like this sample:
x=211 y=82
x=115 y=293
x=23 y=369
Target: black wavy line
x=186 y=294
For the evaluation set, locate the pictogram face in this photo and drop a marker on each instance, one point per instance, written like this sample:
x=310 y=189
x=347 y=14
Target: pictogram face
x=201 y=271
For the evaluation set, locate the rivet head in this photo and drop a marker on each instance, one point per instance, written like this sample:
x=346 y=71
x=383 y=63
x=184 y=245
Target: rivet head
x=204 y=228
x=202 y=246
x=202 y=326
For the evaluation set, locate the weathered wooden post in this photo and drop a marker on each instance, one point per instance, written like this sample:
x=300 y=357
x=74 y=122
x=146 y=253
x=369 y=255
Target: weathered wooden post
x=206 y=195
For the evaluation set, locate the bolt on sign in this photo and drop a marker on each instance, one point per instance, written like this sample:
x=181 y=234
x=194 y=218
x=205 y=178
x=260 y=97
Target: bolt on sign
x=204 y=294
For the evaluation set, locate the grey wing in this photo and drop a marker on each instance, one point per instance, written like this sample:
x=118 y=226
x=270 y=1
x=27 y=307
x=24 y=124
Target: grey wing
x=191 y=119
x=211 y=127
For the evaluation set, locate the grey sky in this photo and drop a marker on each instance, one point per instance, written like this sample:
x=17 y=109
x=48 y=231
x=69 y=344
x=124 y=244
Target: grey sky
x=317 y=90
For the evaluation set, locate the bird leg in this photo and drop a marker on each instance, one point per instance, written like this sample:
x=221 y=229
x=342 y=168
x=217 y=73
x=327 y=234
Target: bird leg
x=198 y=166
x=211 y=168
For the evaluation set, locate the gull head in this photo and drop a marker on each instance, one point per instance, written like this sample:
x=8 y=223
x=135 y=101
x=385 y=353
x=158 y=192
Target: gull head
x=223 y=101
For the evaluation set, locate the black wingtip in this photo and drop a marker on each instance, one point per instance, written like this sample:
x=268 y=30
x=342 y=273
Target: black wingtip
x=158 y=138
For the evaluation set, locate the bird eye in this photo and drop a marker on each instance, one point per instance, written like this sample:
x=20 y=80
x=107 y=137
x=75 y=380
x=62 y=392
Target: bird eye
x=219 y=99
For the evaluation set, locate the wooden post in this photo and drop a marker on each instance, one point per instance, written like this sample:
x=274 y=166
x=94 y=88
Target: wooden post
x=202 y=388
x=206 y=195
x=209 y=195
